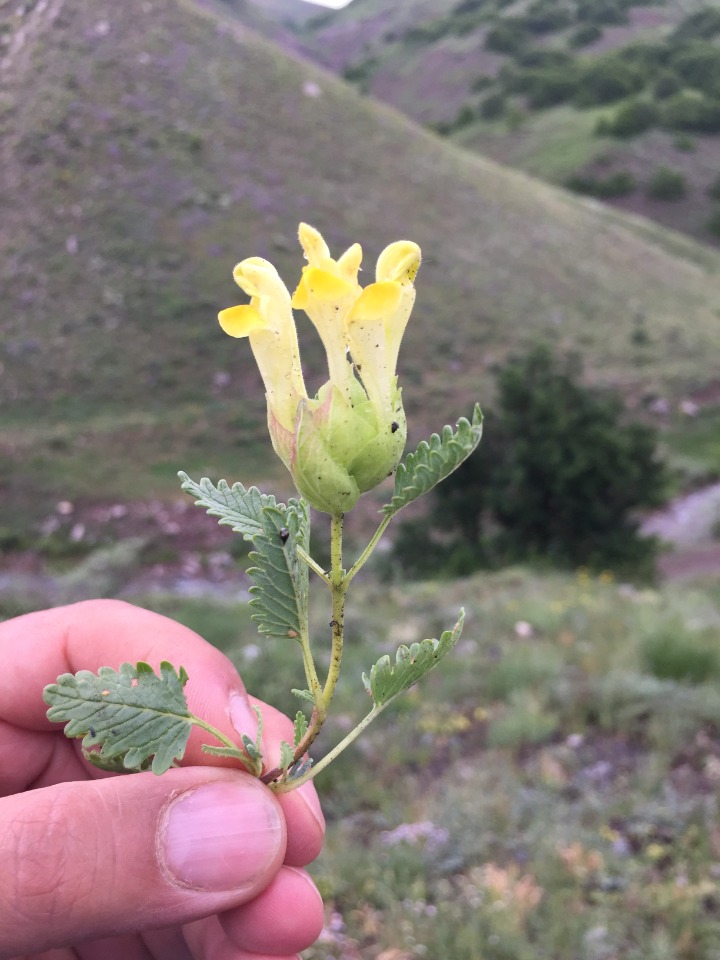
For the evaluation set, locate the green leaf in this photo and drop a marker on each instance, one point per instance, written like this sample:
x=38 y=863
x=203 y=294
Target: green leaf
x=303 y=695
x=388 y=679
x=280 y=592
x=434 y=460
x=287 y=756
x=300 y=727
x=234 y=506
x=133 y=713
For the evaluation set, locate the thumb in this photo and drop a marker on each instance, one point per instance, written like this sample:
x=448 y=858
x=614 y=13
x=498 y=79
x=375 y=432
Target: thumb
x=96 y=858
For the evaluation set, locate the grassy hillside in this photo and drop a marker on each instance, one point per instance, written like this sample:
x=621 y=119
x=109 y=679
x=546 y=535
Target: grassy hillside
x=549 y=791
x=518 y=82
x=146 y=149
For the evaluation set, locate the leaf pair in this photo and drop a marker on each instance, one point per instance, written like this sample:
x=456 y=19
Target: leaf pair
x=276 y=530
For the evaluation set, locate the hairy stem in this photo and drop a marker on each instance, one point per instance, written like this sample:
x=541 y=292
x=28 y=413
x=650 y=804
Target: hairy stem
x=338 y=587
x=364 y=556
x=334 y=753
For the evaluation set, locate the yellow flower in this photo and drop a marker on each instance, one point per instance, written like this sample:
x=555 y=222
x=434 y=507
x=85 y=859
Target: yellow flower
x=350 y=436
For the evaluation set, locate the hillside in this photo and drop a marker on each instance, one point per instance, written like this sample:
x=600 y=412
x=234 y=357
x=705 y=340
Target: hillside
x=598 y=96
x=148 y=147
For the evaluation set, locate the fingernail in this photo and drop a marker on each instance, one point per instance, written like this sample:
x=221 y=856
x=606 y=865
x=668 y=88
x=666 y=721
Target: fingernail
x=309 y=794
x=222 y=836
x=242 y=716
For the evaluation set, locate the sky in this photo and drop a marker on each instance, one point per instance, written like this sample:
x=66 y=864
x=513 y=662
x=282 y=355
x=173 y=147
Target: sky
x=336 y=4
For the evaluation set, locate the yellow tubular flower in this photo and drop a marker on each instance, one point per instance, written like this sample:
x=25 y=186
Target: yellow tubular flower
x=351 y=436
x=326 y=292
x=268 y=323
x=378 y=319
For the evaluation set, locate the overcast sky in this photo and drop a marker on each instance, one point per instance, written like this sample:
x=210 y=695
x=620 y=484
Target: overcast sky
x=330 y=3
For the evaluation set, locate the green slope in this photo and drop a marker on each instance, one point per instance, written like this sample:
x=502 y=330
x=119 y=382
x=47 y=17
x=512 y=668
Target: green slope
x=147 y=148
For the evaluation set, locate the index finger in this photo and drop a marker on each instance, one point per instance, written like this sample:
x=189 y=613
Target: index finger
x=36 y=648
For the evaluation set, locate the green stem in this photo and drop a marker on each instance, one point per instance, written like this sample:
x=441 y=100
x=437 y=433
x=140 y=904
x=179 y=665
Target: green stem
x=314 y=566
x=286 y=786
x=338 y=587
x=364 y=556
x=218 y=734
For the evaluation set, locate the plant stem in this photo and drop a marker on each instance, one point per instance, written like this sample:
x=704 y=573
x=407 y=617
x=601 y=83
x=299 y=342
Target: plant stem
x=218 y=734
x=338 y=587
x=364 y=556
x=334 y=753
x=314 y=566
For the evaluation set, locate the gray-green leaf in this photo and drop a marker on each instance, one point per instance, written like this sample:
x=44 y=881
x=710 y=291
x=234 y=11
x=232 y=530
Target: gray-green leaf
x=234 y=506
x=434 y=460
x=388 y=679
x=133 y=713
x=279 y=595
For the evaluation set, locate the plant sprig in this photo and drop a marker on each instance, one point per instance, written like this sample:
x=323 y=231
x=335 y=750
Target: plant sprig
x=133 y=719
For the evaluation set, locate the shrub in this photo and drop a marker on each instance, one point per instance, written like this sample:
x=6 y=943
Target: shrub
x=506 y=36
x=492 y=107
x=618 y=184
x=714 y=189
x=675 y=653
x=713 y=223
x=691 y=110
x=698 y=66
x=701 y=25
x=612 y=12
x=559 y=475
x=607 y=79
x=546 y=87
x=632 y=118
x=667 y=83
x=585 y=35
x=543 y=17
x=666 y=184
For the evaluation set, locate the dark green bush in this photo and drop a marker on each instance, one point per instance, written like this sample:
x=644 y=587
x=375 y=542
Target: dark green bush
x=607 y=79
x=701 y=25
x=559 y=476
x=585 y=35
x=677 y=653
x=667 y=83
x=546 y=87
x=618 y=184
x=666 y=184
x=506 y=36
x=713 y=223
x=714 y=189
x=691 y=110
x=698 y=66
x=632 y=118
x=492 y=107
x=545 y=17
x=610 y=12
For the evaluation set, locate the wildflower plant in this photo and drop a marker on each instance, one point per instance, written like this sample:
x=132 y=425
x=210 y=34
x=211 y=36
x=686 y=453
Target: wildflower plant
x=337 y=445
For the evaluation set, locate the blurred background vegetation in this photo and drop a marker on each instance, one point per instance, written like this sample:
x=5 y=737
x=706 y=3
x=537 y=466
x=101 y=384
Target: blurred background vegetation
x=552 y=790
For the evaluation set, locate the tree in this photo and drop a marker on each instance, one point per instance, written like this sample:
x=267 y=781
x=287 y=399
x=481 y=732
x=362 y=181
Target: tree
x=559 y=477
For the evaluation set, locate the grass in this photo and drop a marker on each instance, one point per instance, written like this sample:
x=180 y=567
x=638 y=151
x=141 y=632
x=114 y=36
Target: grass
x=131 y=202
x=549 y=791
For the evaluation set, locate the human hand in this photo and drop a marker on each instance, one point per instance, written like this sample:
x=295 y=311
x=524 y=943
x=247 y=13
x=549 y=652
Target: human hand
x=199 y=864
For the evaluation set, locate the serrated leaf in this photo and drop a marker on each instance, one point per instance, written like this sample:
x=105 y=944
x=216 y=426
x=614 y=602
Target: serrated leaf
x=279 y=594
x=303 y=695
x=234 y=506
x=388 y=679
x=133 y=713
x=287 y=756
x=300 y=727
x=434 y=460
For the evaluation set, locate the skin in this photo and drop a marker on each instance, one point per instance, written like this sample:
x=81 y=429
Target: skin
x=81 y=875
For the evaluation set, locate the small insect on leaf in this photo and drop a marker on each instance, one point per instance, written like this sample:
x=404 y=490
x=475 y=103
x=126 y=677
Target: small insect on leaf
x=284 y=533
